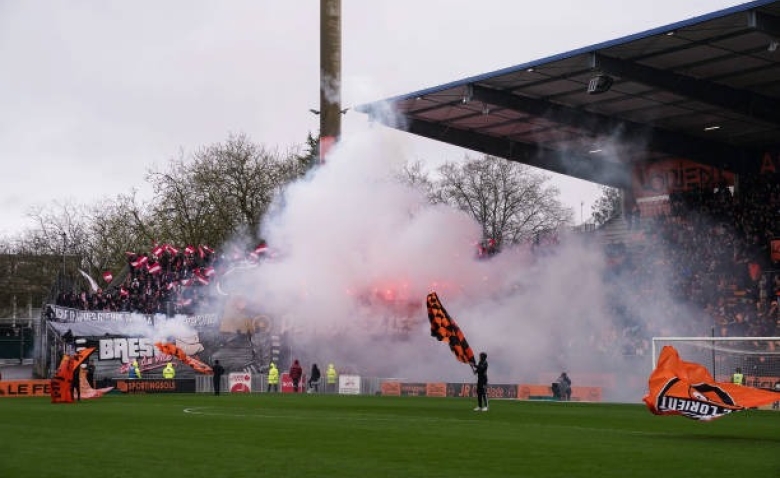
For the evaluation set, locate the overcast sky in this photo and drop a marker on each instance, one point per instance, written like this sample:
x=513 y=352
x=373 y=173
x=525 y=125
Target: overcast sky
x=93 y=94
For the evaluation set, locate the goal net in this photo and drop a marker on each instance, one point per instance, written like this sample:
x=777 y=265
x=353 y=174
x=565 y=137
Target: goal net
x=757 y=357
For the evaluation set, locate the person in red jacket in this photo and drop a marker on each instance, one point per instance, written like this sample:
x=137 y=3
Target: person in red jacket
x=295 y=374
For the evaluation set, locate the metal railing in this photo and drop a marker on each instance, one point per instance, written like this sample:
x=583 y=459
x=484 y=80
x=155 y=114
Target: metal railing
x=205 y=384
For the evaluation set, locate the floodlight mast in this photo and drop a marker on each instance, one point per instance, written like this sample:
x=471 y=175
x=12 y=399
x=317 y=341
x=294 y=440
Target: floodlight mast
x=330 y=74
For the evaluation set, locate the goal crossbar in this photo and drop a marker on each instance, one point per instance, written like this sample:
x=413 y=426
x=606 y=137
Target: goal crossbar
x=723 y=345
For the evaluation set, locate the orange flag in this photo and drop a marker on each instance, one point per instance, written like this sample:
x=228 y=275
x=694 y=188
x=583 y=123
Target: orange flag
x=444 y=329
x=197 y=365
x=677 y=387
x=63 y=378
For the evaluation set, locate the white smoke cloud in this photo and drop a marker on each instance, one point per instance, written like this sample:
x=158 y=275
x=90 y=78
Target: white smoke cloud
x=349 y=233
x=164 y=330
x=350 y=240
x=331 y=88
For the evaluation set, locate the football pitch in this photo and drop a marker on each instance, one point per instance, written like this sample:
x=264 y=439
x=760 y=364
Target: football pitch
x=272 y=435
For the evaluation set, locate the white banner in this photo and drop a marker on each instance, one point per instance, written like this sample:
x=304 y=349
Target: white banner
x=64 y=314
x=349 y=384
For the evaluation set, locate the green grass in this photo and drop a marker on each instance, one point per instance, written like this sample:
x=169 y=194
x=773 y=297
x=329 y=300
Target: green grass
x=366 y=436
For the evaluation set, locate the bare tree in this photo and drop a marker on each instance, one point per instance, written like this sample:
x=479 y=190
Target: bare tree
x=62 y=235
x=216 y=194
x=115 y=227
x=512 y=201
x=415 y=175
x=221 y=192
x=27 y=277
x=91 y=238
x=609 y=205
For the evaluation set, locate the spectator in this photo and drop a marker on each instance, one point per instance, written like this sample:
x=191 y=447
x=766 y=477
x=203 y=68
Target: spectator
x=75 y=383
x=314 y=379
x=219 y=371
x=295 y=374
x=91 y=374
x=134 y=370
x=562 y=387
x=332 y=376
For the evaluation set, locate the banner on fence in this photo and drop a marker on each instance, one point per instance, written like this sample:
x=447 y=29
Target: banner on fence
x=25 y=388
x=349 y=384
x=240 y=382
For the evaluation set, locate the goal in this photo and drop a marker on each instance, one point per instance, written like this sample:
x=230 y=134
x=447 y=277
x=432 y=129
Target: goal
x=758 y=357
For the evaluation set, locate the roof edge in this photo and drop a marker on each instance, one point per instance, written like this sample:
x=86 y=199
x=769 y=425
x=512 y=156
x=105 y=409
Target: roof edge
x=744 y=7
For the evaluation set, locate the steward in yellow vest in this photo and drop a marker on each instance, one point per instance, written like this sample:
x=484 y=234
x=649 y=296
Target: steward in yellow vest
x=332 y=376
x=738 y=378
x=169 y=372
x=273 y=378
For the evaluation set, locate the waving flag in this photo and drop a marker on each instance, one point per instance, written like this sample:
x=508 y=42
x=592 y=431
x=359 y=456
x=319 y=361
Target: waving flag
x=61 y=391
x=87 y=391
x=171 y=349
x=203 y=250
x=140 y=261
x=444 y=329
x=677 y=387
x=200 y=277
x=92 y=282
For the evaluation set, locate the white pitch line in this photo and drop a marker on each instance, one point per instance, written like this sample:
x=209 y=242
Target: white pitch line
x=206 y=411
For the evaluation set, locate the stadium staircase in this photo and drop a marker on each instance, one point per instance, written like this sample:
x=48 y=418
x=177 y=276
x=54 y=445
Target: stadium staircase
x=239 y=353
x=616 y=231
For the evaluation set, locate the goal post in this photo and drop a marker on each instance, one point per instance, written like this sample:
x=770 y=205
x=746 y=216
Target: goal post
x=757 y=357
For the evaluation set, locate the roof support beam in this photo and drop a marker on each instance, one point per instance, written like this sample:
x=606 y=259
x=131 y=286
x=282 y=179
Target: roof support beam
x=743 y=102
x=653 y=139
x=591 y=169
x=764 y=22
x=596 y=123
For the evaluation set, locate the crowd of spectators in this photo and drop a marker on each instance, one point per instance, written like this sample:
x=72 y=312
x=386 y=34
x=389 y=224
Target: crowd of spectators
x=165 y=280
x=703 y=267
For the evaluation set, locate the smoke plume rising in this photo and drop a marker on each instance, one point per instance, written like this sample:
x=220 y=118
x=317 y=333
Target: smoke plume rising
x=356 y=252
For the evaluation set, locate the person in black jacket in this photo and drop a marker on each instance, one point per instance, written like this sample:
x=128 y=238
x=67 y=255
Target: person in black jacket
x=480 y=369
x=219 y=371
x=314 y=379
x=75 y=384
x=564 y=387
x=91 y=374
